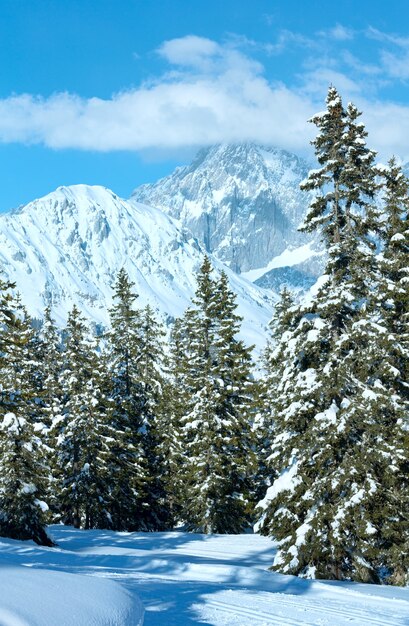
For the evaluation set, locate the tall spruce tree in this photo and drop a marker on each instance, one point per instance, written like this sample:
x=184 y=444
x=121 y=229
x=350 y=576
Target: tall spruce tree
x=83 y=441
x=273 y=361
x=22 y=481
x=329 y=501
x=23 y=469
x=19 y=365
x=235 y=389
x=392 y=295
x=391 y=307
x=149 y=368
x=215 y=427
x=50 y=357
x=175 y=399
x=197 y=421
x=128 y=467
x=6 y=298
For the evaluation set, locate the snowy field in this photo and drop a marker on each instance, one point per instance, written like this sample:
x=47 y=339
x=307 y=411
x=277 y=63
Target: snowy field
x=95 y=578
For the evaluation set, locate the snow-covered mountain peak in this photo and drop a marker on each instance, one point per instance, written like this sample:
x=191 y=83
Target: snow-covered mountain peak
x=76 y=196
x=224 y=172
x=68 y=247
x=242 y=201
x=89 y=213
x=244 y=161
x=77 y=200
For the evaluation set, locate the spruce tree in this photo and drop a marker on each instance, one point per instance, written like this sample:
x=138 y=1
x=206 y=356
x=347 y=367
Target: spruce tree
x=174 y=401
x=23 y=469
x=198 y=421
x=22 y=484
x=392 y=295
x=273 y=370
x=128 y=471
x=149 y=370
x=19 y=366
x=391 y=307
x=49 y=355
x=235 y=389
x=215 y=426
x=6 y=313
x=48 y=381
x=83 y=441
x=327 y=505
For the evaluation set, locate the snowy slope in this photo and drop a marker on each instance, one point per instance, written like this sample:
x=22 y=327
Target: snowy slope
x=69 y=246
x=187 y=579
x=243 y=201
x=42 y=597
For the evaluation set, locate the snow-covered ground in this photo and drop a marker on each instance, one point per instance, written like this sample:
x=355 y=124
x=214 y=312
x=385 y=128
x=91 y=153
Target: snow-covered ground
x=182 y=580
x=288 y=258
x=30 y=597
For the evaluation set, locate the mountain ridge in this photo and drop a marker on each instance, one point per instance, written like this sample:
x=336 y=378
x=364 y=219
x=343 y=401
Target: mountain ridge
x=68 y=247
x=239 y=203
x=241 y=200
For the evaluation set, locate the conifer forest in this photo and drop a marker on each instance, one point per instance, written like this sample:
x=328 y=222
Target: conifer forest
x=147 y=426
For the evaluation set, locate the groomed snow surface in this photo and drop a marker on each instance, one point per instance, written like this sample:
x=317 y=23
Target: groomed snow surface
x=96 y=578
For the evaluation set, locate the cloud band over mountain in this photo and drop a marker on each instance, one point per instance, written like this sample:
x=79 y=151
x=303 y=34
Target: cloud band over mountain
x=213 y=93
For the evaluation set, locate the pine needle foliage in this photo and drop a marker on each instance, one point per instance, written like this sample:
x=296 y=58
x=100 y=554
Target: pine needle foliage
x=129 y=481
x=215 y=426
x=83 y=443
x=337 y=447
x=23 y=468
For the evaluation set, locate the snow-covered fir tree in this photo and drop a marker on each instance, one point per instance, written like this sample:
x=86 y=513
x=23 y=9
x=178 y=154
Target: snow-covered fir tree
x=83 y=441
x=335 y=428
x=391 y=305
x=272 y=361
x=127 y=464
x=175 y=399
x=392 y=295
x=50 y=383
x=235 y=390
x=19 y=367
x=22 y=481
x=6 y=297
x=149 y=371
x=216 y=430
x=23 y=468
x=50 y=357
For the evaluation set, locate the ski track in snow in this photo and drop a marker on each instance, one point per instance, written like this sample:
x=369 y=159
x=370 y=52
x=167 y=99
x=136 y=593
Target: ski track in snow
x=309 y=613
x=186 y=579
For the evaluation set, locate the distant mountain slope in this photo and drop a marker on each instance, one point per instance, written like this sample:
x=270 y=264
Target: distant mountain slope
x=242 y=201
x=67 y=248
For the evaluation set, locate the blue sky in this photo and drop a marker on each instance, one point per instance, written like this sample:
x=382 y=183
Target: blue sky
x=120 y=92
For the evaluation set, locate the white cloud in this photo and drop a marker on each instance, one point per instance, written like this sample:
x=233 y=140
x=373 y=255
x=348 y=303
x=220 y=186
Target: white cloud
x=364 y=69
x=189 y=51
x=394 y=56
x=396 y=65
x=221 y=95
x=388 y=128
x=378 y=35
x=316 y=82
x=214 y=93
x=289 y=39
x=339 y=33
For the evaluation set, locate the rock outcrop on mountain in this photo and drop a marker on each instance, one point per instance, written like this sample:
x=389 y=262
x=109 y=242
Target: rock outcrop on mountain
x=68 y=247
x=239 y=203
x=242 y=201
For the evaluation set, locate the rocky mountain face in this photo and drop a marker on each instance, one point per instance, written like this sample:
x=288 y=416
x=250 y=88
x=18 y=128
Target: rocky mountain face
x=68 y=247
x=243 y=202
x=240 y=203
